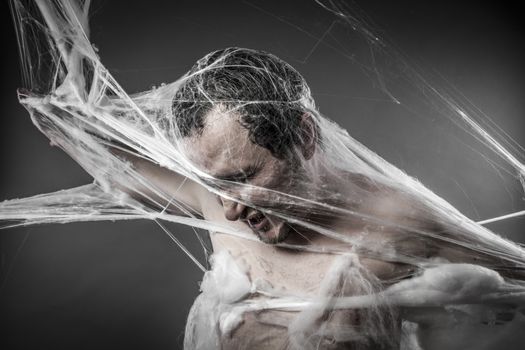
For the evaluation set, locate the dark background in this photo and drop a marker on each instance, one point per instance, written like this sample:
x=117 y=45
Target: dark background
x=126 y=285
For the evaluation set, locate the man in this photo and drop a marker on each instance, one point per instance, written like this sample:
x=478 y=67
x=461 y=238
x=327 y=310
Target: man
x=246 y=121
x=248 y=150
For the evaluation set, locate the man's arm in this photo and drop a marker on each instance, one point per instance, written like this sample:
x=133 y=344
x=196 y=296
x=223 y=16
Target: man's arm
x=163 y=189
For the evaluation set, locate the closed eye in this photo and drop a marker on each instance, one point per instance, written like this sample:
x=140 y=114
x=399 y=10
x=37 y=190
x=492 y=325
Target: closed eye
x=240 y=176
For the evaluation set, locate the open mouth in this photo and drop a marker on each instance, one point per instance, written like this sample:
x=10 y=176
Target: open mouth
x=267 y=230
x=259 y=222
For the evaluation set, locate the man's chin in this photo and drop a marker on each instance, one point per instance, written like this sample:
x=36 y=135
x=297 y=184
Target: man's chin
x=275 y=234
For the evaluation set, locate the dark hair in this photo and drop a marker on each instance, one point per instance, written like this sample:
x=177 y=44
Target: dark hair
x=269 y=95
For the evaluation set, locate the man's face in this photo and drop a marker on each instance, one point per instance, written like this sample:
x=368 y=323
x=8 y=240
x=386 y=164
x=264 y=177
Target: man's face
x=225 y=152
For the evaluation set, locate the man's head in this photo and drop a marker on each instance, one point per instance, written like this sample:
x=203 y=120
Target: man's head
x=246 y=115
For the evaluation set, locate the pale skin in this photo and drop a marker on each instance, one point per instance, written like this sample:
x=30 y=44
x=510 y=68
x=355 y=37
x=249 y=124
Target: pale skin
x=222 y=150
x=214 y=152
x=225 y=151
x=288 y=271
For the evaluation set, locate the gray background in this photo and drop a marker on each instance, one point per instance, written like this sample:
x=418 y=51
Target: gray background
x=126 y=285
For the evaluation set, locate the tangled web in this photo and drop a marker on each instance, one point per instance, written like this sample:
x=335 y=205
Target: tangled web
x=377 y=259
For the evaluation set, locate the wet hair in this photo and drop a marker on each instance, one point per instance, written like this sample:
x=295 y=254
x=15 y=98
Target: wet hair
x=268 y=94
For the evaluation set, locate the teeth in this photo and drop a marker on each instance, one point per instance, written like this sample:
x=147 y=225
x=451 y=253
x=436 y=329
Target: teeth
x=256 y=219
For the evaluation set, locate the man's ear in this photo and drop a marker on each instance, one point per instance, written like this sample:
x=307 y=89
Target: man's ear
x=308 y=135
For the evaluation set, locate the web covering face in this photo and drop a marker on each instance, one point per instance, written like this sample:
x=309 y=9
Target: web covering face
x=377 y=218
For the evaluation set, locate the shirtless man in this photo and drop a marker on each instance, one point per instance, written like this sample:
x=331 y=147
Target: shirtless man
x=261 y=160
x=327 y=219
x=260 y=155
x=247 y=120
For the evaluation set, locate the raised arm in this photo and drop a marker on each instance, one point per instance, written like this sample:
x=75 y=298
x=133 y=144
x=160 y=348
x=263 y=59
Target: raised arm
x=162 y=189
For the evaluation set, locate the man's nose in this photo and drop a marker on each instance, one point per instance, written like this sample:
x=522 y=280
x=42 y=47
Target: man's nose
x=233 y=210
